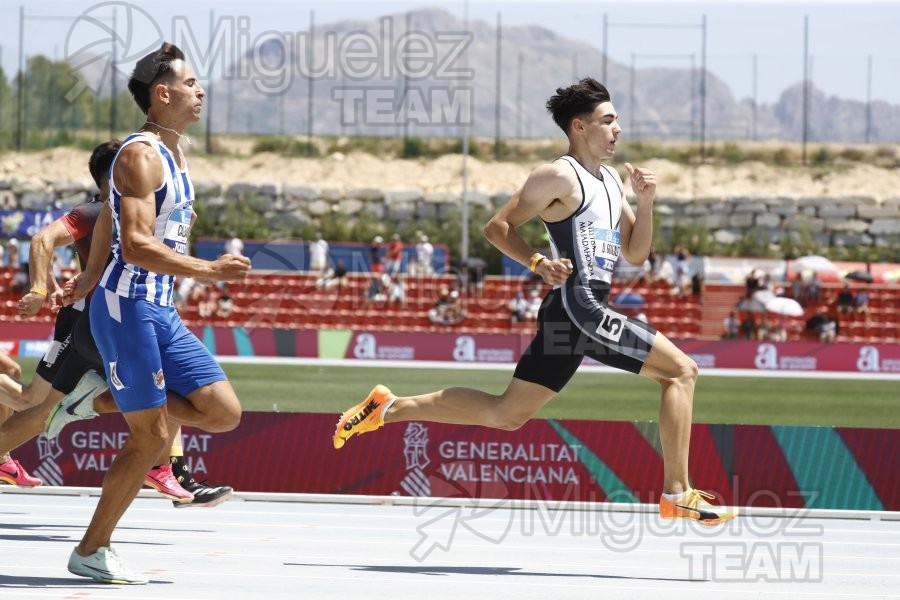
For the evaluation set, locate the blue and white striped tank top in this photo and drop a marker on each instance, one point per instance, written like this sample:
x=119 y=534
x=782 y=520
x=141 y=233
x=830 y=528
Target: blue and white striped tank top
x=174 y=199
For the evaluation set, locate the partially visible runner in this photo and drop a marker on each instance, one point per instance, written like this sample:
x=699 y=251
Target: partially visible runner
x=144 y=344
x=76 y=357
x=33 y=401
x=583 y=206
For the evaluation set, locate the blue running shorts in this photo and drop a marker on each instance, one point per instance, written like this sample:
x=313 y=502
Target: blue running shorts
x=146 y=349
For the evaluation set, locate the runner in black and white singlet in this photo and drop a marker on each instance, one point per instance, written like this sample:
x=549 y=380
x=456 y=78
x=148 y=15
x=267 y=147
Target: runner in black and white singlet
x=577 y=312
x=581 y=202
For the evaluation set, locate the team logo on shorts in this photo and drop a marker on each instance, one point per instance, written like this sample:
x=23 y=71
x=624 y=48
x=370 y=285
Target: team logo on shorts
x=114 y=377
x=158 y=380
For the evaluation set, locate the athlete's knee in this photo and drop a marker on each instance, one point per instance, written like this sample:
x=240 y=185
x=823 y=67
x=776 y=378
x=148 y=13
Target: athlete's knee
x=683 y=373
x=150 y=440
x=226 y=419
x=509 y=416
x=513 y=421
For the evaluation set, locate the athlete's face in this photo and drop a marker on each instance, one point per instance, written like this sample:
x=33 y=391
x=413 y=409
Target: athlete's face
x=183 y=94
x=601 y=130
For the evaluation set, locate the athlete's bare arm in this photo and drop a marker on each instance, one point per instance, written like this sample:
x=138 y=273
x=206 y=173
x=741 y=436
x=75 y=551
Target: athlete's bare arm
x=43 y=242
x=637 y=229
x=139 y=168
x=101 y=241
x=550 y=191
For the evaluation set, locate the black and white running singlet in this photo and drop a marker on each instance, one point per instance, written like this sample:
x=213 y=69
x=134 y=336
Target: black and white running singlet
x=576 y=319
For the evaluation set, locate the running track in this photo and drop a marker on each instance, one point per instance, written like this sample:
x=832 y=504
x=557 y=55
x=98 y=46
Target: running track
x=295 y=546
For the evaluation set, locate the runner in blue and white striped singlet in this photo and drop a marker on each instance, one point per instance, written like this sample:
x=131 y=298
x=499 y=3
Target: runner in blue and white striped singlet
x=174 y=202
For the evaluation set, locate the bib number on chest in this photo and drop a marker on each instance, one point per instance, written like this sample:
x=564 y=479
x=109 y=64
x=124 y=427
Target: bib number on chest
x=608 y=243
x=178 y=227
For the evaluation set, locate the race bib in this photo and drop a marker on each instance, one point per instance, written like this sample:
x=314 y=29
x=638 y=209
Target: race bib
x=612 y=324
x=608 y=244
x=178 y=227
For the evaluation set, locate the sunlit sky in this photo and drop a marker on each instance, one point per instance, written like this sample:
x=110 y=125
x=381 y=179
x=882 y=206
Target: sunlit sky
x=842 y=35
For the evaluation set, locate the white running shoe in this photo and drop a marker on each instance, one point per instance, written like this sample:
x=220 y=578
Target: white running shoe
x=78 y=405
x=104 y=566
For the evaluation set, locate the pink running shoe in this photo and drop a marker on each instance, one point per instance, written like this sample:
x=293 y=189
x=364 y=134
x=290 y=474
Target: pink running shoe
x=12 y=473
x=163 y=481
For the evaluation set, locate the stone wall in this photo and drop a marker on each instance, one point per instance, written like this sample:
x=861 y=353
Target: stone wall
x=848 y=221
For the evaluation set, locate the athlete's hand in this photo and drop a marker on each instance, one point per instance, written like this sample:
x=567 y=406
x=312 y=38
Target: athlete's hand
x=643 y=182
x=554 y=272
x=231 y=267
x=30 y=304
x=10 y=367
x=56 y=299
x=75 y=289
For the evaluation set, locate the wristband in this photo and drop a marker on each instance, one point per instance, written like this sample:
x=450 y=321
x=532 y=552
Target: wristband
x=38 y=290
x=536 y=259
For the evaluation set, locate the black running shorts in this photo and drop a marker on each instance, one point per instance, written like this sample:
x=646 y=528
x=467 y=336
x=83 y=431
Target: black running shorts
x=60 y=346
x=574 y=323
x=82 y=357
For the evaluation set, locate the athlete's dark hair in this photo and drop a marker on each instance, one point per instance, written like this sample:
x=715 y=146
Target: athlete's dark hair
x=575 y=101
x=101 y=160
x=156 y=65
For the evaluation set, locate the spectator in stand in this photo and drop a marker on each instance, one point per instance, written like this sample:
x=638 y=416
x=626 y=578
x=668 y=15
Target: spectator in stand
x=424 y=256
x=12 y=251
x=447 y=310
x=375 y=292
x=697 y=286
x=731 y=326
x=683 y=272
x=517 y=306
x=828 y=329
x=318 y=255
x=183 y=291
x=376 y=254
x=394 y=288
x=861 y=304
x=393 y=260
x=234 y=245
x=664 y=273
x=534 y=305
x=845 y=301
x=779 y=332
x=748 y=327
x=798 y=289
x=334 y=277
x=651 y=265
x=208 y=305
x=764 y=329
x=755 y=281
x=813 y=289
x=225 y=306
x=21 y=280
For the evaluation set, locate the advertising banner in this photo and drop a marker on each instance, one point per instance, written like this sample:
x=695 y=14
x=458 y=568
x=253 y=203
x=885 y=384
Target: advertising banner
x=560 y=460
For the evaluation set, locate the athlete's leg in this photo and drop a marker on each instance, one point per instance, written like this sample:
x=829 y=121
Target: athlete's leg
x=466 y=406
x=676 y=373
x=149 y=436
x=213 y=407
x=11 y=393
x=543 y=370
x=24 y=425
